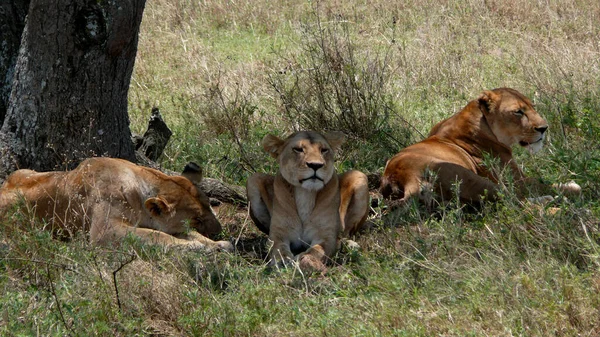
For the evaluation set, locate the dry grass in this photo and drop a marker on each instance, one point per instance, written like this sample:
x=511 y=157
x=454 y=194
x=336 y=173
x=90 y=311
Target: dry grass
x=443 y=54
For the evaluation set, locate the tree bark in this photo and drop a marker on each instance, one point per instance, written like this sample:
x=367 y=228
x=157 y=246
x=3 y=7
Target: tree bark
x=69 y=91
x=12 y=21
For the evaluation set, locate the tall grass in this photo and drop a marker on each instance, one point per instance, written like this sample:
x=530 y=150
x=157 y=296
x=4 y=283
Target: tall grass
x=225 y=73
x=334 y=84
x=424 y=61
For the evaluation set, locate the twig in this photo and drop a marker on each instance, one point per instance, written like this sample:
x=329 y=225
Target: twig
x=133 y=257
x=243 y=227
x=95 y=260
x=53 y=291
x=587 y=236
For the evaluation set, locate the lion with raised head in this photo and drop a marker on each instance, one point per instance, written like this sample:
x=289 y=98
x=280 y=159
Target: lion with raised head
x=306 y=206
x=455 y=148
x=111 y=198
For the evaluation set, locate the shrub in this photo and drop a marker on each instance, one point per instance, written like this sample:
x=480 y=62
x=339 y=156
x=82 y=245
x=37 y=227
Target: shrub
x=333 y=84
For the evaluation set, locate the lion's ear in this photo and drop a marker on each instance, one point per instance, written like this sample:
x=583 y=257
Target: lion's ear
x=157 y=206
x=335 y=139
x=193 y=172
x=487 y=100
x=272 y=144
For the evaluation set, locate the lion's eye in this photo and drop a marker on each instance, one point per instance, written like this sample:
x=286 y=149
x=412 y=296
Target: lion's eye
x=519 y=113
x=298 y=149
x=324 y=150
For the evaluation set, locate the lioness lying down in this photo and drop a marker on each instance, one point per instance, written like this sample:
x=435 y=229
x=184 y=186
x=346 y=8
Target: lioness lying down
x=455 y=149
x=306 y=205
x=110 y=198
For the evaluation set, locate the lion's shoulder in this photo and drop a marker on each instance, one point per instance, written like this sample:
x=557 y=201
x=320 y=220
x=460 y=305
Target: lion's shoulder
x=119 y=177
x=466 y=123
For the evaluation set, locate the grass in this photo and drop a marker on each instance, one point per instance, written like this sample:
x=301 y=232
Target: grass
x=510 y=269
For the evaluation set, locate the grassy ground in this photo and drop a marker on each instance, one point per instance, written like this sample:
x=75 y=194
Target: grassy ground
x=225 y=73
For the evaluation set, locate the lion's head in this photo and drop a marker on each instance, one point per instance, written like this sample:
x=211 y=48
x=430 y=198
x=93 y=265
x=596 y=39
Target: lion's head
x=181 y=203
x=513 y=119
x=306 y=157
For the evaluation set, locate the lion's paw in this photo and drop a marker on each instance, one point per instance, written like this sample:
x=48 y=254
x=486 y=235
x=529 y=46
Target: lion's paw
x=350 y=244
x=309 y=263
x=225 y=246
x=571 y=188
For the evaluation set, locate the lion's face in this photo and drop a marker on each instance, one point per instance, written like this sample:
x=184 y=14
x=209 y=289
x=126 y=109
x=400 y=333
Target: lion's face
x=513 y=119
x=181 y=203
x=306 y=157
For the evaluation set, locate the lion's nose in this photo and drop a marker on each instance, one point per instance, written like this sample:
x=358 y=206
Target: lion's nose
x=315 y=165
x=542 y=129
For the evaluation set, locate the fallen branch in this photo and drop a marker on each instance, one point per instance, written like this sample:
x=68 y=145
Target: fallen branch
x=223 y=192
x=213 y=188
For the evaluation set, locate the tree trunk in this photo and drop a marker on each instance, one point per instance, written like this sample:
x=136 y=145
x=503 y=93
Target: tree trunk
x=12 y=21
x=69 y=91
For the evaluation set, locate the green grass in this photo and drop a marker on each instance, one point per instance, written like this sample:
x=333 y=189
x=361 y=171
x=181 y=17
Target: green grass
x=511 y=269
x=503 y=272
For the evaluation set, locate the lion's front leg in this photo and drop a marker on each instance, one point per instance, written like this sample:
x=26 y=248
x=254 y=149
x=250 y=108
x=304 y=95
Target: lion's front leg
x=471 y=188
x=107 y=230
x=259 y=190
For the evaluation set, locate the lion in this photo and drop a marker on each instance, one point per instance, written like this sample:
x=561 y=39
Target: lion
x=306 y=206
x=456 y=147
x=112 y=198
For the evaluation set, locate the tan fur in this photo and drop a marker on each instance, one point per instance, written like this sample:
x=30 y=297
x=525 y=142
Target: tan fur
x=301 y=213
x=455 y=149
x=110 y=198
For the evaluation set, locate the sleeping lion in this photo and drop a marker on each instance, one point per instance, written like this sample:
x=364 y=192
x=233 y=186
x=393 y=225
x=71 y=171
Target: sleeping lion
x=456 y=147
x=307 y=205
x=111 y=198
